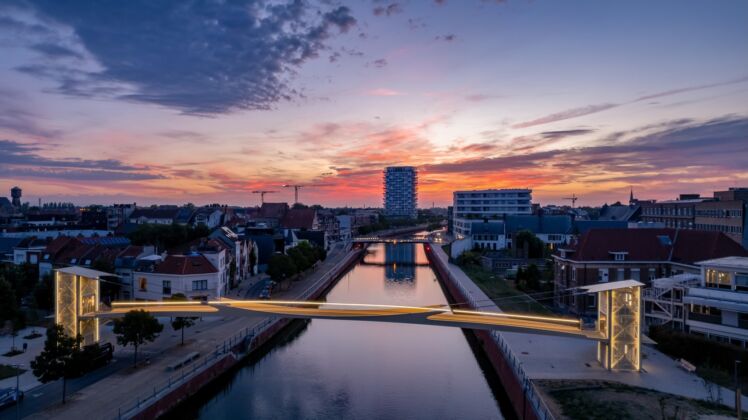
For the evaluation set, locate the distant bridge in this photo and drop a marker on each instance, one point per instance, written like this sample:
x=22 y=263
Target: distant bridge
x=373 y=239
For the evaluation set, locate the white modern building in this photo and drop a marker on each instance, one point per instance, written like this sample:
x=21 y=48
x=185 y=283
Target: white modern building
x=713 y=304
x=401 y=191
x=488 y=205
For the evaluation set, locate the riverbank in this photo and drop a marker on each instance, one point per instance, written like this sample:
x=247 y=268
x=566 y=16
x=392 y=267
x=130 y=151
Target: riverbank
x=152 y=390
x=523 y=359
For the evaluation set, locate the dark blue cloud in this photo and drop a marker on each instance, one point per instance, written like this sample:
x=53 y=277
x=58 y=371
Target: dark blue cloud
x=201 y=57
x=720 y=145
x=25 y=159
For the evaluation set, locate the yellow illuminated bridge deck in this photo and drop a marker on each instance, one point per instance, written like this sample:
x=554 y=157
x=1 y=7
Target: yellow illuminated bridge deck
x=438 y=316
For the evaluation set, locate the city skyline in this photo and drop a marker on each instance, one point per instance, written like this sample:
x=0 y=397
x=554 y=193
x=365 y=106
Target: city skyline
x=476 y=95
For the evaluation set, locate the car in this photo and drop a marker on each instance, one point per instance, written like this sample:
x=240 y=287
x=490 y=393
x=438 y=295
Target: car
x=9 y=396
x=265 y=294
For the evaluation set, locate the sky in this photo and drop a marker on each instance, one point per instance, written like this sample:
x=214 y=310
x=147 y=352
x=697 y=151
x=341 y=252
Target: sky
x=206 y=101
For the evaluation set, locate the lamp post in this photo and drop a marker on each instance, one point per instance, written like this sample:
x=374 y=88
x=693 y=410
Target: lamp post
x=738 y=396
x=18 y=391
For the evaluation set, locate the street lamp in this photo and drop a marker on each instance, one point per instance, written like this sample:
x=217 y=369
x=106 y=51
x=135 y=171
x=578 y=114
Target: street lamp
x=18 y=391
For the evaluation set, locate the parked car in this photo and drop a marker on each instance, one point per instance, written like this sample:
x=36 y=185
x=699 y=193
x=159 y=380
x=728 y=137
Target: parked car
x=265 y=294
x=9 y=396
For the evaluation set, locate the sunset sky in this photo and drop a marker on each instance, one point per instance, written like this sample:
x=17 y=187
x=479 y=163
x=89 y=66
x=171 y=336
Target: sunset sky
x=122 y=101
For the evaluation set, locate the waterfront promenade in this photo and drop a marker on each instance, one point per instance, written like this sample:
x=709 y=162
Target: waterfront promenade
x=122 y=387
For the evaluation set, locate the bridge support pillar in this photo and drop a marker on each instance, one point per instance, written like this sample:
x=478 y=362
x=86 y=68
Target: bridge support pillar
x=619 y=321
x=77 y=294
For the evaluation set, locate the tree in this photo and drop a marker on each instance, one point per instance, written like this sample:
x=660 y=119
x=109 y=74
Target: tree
x=181 y=322
x=527 y=245
x=529 y=278
x=8 y=303
x=137 y=327
x=281 y=267
x=44 y=293
x=61 y=358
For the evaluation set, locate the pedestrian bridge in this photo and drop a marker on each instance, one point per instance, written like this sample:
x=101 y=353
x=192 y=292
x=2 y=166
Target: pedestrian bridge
x=617 y=330
x=424 y=315
x=372 y=239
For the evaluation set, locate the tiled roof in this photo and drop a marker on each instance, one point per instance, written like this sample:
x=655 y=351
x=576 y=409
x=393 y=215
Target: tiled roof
x=115 y=241
x=299 y=219
x=682 y=246
x=273 y=210
x=185 y=265
x=618 y=212
x=581 y=226
x=157 y=213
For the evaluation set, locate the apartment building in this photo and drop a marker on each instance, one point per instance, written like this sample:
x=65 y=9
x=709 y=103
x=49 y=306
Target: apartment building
x=401 y=191
x=488 y=205
x=726 y=214
x=679 y=214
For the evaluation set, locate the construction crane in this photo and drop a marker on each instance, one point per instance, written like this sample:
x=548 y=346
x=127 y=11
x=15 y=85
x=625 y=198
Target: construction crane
x=573 y=199
x=262 y=194
x=297 y=187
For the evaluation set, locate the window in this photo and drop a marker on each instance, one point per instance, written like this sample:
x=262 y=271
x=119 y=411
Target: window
x=143 y=282
x=166 y=286
x=635 y=274
x=741 y=282
x=200 y=285
x=717 y=279
x=602 y=275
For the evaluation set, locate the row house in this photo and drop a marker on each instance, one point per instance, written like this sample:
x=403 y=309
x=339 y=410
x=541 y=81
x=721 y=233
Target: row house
x=210 y=216
x=603 y=255
x=192 y=275
x=162 y=215
x=239 y=254
x=219 y=254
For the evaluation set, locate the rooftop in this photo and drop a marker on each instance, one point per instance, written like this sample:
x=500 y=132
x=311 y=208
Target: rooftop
x=740 y=263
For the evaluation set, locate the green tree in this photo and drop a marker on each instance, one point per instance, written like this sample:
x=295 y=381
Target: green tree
x=62 y=358
x=529 y=278
x=44 y=293
x=527 y=245
x=181 y=322
x=137 y=327
x=281 y=267
x=8 y=302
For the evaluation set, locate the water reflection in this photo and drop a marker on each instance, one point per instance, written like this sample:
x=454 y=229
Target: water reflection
x=365 y=370
x=399 y=262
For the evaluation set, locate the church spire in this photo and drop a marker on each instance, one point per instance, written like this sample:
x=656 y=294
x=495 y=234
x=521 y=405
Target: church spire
x=631 y=196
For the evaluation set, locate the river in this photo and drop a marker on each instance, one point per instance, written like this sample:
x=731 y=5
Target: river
x=330 y=369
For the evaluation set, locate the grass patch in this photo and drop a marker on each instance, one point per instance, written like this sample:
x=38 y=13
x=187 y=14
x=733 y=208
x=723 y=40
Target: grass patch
x=9 y=371
x=13 y=352
x=609 y=400
x=504 y=295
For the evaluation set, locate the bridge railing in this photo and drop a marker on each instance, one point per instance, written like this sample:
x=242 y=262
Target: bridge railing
x=530 y=389
x=190 y=371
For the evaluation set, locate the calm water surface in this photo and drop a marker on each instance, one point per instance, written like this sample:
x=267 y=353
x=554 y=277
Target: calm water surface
x=365 y=370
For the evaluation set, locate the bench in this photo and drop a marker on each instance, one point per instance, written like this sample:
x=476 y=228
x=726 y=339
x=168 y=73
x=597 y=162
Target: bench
x=183 y=361
x=686 y=365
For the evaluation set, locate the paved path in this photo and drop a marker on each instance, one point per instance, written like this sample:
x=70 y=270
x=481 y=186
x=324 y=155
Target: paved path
x=550 y=357
x=119 y=384
x=34 y=347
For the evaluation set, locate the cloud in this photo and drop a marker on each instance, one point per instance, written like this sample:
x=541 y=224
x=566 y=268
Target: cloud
x=389 y=10
x=379 y=63
x=446 y=38
x=209 y=57
x=717 y=146
x=25 y=159
x=592 y=109
x=567 y=114
x=55 y=51
x=565 y=133
x=16 y=116
x=383 y=92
